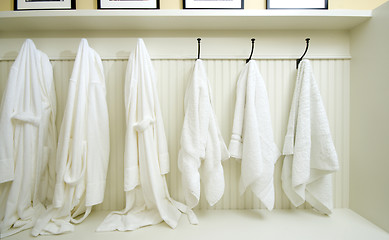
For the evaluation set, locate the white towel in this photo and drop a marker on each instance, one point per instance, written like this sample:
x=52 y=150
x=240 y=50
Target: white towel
x=83 y=147
x=27 y=141
x=252 y=138
x=202 y=146
x=146 y=157
x=310 y=153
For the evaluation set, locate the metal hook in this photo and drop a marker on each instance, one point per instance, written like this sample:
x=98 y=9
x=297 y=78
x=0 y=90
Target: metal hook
x=198 y=48
x=306 y=49
x=252 y=49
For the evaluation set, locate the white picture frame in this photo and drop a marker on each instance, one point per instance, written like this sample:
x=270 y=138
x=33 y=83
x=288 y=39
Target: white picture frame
x=44 y=4
x=297 y=4
x=213 y=4
x=128 y=4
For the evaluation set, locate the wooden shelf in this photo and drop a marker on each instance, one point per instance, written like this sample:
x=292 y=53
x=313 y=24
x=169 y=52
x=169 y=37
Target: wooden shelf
x=181 y=20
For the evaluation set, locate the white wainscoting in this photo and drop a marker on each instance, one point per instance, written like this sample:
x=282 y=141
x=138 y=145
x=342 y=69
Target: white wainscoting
x=333 y=76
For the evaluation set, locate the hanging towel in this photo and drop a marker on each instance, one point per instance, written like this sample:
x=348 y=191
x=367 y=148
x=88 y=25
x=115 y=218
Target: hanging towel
x=146 y=158
x=252 y=138
x=310 y=153
x=202 y=146
x=83 y=147
x=27 y=141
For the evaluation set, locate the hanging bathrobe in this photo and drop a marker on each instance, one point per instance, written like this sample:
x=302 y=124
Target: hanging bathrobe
x=202 y=146
x=83 y=147
x=146 y=158
x=310 y=153
x=252 y=138
x=27 y=141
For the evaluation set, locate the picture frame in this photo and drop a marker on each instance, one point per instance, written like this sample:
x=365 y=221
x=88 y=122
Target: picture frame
x=297 y=4
x=213 y=4
x=44 y=5
x=127 y=4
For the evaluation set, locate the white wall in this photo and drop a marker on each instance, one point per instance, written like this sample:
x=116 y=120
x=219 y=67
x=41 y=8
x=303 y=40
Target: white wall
x=173 y=68
x=369 y=159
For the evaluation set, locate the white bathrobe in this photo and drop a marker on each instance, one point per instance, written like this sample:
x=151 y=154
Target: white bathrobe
x=27 y=141
x=146 y=158
x=202 y=146
x=252 y=138
x=83 y=147
x=310 y=153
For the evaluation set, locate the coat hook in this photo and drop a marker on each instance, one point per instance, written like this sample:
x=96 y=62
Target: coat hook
x=306 y=49
x=198 y=48
x=252 y=49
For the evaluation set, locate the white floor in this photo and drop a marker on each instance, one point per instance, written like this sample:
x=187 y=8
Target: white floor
x=343 y=224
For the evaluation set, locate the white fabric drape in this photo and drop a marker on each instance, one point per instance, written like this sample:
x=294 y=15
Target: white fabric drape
x=252 y=139
x=310 y=152
x=27 y=141
x=202 y=146
x=83 y=147
x=146 y=158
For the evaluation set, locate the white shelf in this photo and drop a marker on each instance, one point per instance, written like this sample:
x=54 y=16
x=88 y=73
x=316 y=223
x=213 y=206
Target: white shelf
x=182 y=20
x=343 y=224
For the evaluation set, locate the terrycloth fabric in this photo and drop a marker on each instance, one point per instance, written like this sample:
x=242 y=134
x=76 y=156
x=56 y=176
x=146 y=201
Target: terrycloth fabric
x=252 y=138
x=83 y=147
x=27 y=141
x=202 y=146
x=146 y=158
x=310 y=153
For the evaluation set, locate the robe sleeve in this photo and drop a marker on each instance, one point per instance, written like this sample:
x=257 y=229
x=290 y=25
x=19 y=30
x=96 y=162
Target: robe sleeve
x=131 y=154
x=6 y=129
x=163 y=153
x=51 y=141
x=98 y=138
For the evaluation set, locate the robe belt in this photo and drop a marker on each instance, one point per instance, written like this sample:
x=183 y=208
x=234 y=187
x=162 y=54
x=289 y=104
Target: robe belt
x=80 y=220
x=143 y=125
x=27 y=117
x=187 y=210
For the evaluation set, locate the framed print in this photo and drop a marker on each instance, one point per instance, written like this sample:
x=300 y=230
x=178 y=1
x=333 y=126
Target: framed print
x=128 y=4
x=297 y=4
x=213 y=4
x=44 y=4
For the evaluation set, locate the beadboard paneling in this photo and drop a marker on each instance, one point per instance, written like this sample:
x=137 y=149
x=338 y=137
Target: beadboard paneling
x=173 y=74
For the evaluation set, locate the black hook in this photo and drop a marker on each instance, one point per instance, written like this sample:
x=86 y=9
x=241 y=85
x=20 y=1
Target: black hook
x=198 y=48
x=306 y=49
x=252 y=49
